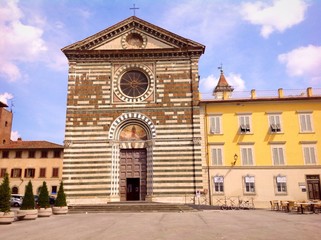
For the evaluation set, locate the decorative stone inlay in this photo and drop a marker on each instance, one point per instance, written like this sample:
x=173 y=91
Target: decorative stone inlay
x=118 y=91
x=197 y=140
x=133 y=40
x=67 y=143
x=134 y=116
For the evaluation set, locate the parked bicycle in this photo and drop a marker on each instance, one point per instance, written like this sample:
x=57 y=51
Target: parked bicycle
x=246 y=204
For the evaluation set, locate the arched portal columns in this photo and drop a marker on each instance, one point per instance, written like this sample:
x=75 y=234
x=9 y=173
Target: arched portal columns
x=119 y=142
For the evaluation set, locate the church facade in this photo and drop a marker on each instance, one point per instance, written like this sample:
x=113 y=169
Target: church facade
x=133 y=118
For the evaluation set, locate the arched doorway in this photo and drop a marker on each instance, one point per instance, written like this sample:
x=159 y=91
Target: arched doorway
x=133 y=164
x=132 y=137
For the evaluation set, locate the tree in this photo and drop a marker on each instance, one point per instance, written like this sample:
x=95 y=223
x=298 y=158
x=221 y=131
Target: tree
x=5 y=194
x=28 y=201
x=44 y=196
x=61 y=197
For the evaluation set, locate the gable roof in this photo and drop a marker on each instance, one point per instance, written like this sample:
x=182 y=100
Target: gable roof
x=30 y=145
x=165 y=39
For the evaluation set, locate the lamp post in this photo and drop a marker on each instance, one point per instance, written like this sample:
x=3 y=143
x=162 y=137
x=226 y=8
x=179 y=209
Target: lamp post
x=235 y=159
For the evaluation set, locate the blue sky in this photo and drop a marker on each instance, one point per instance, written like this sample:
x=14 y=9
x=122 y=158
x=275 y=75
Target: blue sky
x=263 y=45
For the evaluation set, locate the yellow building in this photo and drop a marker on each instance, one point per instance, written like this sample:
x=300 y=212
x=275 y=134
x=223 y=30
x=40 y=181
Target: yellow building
x=262 y=145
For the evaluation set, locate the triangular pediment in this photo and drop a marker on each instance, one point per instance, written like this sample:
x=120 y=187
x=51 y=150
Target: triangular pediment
x=134 y=33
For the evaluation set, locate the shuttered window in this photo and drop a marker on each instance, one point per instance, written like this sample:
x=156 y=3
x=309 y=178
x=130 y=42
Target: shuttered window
x=305 y=122
x=309 y=154
x=247 y=156
x=245 y=124
x=217 y=156
x=42 y=173
x=278 y=155
x=55 y=172
x=29 y=172
x=215 y=125
x=275 y=123
x=16 y=173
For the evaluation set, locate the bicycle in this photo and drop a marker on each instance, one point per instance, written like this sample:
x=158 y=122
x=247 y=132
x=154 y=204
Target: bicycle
x=246 y=204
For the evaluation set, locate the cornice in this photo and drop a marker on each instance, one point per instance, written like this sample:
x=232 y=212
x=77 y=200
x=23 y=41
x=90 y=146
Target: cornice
x=132 y=54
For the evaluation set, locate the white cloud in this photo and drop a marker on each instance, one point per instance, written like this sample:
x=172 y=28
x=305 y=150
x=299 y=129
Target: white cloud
x=5 y=97
x=303 y=61
x=15 y=135
x=208 y=84
x=19 y=42
x=235 y=80
x=278 y=16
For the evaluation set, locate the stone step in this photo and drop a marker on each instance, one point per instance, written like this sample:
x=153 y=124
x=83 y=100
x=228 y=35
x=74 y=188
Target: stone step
x=131 y=207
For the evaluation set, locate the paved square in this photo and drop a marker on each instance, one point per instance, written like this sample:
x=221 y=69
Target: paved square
x=238 y=224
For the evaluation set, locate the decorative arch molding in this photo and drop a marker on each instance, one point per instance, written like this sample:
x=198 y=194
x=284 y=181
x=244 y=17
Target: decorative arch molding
x=135 y=117
x=124 y=120
x=138 y=67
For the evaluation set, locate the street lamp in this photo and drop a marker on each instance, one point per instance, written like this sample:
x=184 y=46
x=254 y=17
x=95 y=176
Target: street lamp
x=235 y=159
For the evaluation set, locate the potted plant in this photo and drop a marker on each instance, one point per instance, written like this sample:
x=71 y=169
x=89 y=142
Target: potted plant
x=60 y=206
x=6 y=216
x=44 y=209
x=27 y=210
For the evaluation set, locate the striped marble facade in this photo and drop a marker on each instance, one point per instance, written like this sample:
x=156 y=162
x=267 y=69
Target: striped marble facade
x=168 y=112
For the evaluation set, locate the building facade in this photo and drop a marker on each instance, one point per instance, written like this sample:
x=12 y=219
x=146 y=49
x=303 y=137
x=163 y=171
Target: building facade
x=262 y=147
x=132 y=124
x=37 y=161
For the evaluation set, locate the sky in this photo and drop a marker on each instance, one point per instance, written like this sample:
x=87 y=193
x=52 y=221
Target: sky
x=262 y=45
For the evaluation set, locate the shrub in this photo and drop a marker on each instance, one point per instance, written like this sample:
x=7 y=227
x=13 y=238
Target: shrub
x=61 y=197
x=5 y=194
x=28 y=201
x=43 y=201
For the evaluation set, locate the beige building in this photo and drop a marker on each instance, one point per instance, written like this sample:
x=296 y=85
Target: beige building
x=37 y=161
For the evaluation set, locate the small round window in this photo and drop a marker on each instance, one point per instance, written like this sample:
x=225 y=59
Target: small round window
x=133 y=83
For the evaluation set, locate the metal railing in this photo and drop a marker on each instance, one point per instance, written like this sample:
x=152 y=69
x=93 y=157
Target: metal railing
x=235 y=203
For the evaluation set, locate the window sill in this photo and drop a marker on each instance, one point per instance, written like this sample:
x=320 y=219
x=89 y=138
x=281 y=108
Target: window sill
x=218 y=194
x=249 y=193
x=281 y=194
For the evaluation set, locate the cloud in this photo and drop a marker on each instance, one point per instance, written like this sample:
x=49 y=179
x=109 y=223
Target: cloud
x=19 y=42
x=208 y=22
x=5 y=97
x=15 y=135
x=278 y=16
x=303 y=61
x=208 y=84
x=235 y=80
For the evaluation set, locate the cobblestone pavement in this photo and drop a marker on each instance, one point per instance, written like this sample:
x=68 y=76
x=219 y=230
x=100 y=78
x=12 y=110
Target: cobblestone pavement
x=216 y=224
